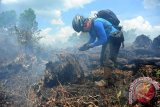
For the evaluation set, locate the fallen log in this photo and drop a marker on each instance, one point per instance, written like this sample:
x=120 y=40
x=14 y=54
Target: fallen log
x=66 y=70
x=144 y=61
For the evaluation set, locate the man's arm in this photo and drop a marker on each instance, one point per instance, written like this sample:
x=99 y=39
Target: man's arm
x=100 y=32
x=92 y=38
x=86 y=45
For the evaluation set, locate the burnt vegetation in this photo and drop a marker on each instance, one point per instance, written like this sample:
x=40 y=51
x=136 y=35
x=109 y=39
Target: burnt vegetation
x=32 y=76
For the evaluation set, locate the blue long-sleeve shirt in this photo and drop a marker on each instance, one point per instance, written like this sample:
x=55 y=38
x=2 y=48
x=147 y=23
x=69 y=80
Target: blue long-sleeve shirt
x=100 y=31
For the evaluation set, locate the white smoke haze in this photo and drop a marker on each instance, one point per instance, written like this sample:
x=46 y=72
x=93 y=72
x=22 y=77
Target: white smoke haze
x=141 y=26
x=59 y=38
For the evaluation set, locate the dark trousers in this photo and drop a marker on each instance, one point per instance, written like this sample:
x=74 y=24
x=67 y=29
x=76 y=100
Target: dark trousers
x=109 y=52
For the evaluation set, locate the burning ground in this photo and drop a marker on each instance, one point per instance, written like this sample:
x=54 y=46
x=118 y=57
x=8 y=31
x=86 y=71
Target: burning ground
x=67 y=77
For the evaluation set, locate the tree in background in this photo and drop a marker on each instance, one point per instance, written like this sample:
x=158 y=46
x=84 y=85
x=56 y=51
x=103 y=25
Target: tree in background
x=27 y=29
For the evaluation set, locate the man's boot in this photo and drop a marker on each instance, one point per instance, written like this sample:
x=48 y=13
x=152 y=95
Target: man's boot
x=107 y=72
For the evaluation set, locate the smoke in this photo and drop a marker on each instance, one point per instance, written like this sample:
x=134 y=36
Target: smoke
x=18 y=70
x=60 y=39
x=9 y=47
x=138 y=26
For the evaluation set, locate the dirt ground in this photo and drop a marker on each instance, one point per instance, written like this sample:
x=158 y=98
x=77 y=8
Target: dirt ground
x=71 y=80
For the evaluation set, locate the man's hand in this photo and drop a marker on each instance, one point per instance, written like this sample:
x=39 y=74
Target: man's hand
x=86 y=47
x=83 y=48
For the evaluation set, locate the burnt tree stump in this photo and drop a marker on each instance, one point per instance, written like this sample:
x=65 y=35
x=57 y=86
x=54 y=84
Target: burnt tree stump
x=66 y=70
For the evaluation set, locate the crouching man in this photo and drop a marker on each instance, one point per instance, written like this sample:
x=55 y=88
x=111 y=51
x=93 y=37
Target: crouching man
x=101 y=32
